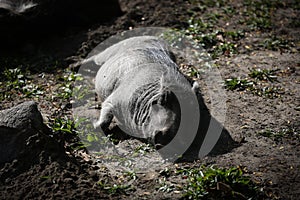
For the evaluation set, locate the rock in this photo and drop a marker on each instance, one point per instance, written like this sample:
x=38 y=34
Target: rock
x=19 y=126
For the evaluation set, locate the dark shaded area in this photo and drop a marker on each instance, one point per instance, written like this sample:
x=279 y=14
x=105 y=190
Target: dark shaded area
x=224 y=144
x=23 y=21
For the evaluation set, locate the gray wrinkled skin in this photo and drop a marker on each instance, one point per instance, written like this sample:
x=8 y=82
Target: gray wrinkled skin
x=134 y=84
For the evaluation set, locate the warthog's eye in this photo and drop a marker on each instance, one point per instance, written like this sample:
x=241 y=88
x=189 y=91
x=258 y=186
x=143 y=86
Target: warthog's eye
x=154 y=102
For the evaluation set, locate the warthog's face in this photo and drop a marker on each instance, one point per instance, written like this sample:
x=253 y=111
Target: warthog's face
x=164 y=119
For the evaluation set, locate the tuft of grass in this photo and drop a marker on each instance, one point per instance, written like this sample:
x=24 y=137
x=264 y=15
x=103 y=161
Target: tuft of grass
x=278 y=135
x=216 y=42
x=78 y=132
x=130 y=175
x=276 y=44
x=67 y=86
x=218 y=183
x=264 y=74
x=114 y=189
x=142 y=149
x=224 y=49
x=258 y=14
x=259 y=83
x=18 y=82
x=238 y=84
x=67 y=128
x=165 y=186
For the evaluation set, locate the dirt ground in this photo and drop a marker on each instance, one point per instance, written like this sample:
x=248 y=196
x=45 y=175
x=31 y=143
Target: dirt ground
x=264 y=122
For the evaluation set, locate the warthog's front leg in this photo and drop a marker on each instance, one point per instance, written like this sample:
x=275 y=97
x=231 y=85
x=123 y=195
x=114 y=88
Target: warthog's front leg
x=105 y=117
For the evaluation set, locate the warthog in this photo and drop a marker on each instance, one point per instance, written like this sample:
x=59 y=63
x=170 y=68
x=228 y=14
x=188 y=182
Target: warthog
x=138 y=83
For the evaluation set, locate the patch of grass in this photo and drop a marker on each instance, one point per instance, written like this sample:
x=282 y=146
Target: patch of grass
x=142 y=149
x=259 y=13
x=216 y=42
x=238 y=84
x=165 y=186
x=264 y=74
x=131 y=175
x=218 y=183
x=114 y=189
x=209 y=3
x=235 y=35
x=67 y=85
x=198 y=26
x=229 y=10
x=278 y=135
x=66 y=128
x=79 y=132
x=18 y=82
x=255 y=22
x=259 y=83
x=224 y=49
x=276 y=44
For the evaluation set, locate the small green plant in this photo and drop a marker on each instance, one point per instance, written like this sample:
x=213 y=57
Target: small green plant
x=142 y=149
x=259 y=23
x=80 y=128
x=193 y=72
x=235 y=35
x=278 y=135
x=276 y=44
x=264 y=74
x=15 y=78
x=259 y=83
x=224 y=49
x=165 y=186
x=64 y=125
x=218 y=183
x=238 y=84
x=131 y=175
x=18 y=82
x=115 y=188
x=258 y=14
x=198 y=26
x=67 y=85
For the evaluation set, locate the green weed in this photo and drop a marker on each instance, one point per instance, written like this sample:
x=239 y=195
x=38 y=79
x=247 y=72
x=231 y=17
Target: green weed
x=79 y=128
x=142 y=149
x=238 y=84
x=18 y=82
x=224 y=49
x=131 y=175
x=165 y=186
x=258 y=83
x=209 y=3
x=276 y=44
x=67 y=86
x=278 y=135
x=115 y=188
x=264 y=74
x=218 y=183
